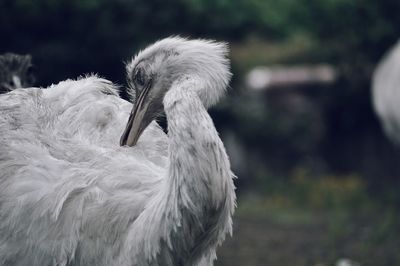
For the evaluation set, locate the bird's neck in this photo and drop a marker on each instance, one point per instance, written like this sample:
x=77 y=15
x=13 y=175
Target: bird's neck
x=197 y=156
x=193 y=212
x=199 y=177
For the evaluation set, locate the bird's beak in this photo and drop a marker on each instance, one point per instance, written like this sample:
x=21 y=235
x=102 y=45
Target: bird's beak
x=138 y=120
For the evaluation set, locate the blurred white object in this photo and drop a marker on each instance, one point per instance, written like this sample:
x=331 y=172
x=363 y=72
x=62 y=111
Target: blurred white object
x=346 y=262
x=386 y=93
x=279 y=76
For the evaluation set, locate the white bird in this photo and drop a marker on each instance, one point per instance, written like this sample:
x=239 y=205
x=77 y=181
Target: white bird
x=71 y=195
x=386 y=93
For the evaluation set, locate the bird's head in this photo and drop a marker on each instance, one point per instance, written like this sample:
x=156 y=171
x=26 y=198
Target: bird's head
x=153 y=71
x=15 y=72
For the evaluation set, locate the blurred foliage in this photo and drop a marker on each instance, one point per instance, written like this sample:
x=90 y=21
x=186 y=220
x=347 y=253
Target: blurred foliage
x=302 y=190
x=314 y=221
x=283 y=228
x=330 y=192
x=89 y=35
x=75 y=37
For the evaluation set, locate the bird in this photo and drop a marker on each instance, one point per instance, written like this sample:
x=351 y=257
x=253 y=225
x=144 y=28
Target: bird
x=88 y=178
x=386 y=93
x=16 y=71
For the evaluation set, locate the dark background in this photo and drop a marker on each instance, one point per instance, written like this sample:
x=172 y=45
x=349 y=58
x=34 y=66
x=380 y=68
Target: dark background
x=318 y=180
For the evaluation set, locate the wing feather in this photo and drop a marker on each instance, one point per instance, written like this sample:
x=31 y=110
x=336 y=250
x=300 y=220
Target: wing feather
x=64 y=176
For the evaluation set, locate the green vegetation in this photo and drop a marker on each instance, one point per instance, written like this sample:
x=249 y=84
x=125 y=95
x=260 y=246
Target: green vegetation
x=60 y=32
x=314 y=221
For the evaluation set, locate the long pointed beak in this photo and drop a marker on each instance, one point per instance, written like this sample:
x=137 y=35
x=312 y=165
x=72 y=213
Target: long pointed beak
x=137 y=120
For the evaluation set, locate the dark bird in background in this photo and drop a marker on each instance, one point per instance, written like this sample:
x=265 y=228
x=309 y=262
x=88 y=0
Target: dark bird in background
x=16 y=71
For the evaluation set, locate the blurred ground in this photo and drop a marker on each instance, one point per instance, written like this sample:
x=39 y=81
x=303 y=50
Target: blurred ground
x=287 y=230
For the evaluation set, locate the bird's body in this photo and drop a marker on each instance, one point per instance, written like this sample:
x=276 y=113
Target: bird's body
x=386 y=93
x=61 y=147
x=70 y=195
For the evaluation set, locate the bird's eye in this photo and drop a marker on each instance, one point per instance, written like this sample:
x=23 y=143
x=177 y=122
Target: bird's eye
x=139 y=78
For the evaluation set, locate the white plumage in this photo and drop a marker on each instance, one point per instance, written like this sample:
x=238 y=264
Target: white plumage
x=70 y=195
x=386 y=93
